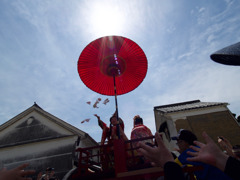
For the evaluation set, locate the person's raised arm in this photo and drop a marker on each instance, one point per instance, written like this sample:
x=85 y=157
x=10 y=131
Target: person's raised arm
x=208 y=153
x=157 y=155
x=104 y=128
x=16 y=174
x=100 y=122
x=161 y=156
x=226 y=145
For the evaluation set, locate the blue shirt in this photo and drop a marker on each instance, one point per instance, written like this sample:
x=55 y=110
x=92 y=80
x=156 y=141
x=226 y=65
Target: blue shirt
x=208 y=173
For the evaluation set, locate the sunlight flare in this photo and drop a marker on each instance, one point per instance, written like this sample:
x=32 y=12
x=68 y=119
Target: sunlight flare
x=106 y=20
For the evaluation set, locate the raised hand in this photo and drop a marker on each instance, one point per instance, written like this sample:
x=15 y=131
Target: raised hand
x=157 y=155
x=208 y=153
x=16 y=174
x=97 y=116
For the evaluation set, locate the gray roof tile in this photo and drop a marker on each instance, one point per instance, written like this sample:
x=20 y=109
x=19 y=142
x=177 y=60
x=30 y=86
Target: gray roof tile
x=187 y=106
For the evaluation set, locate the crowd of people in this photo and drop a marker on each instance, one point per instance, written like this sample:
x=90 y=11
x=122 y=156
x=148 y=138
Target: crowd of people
x=216 y=163
x=209 y=154
x=219 y=164
x=48 y=175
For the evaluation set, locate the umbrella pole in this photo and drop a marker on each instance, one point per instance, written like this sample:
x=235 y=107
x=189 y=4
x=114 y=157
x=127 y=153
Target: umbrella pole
x=115 y=93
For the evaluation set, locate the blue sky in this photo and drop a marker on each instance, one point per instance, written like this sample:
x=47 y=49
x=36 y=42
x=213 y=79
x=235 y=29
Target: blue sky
x=41 y=42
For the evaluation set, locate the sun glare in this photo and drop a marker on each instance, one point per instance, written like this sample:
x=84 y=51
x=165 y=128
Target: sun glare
x=106 y=20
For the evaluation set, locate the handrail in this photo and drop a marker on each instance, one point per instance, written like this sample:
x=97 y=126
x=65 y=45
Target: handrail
x=119 y=157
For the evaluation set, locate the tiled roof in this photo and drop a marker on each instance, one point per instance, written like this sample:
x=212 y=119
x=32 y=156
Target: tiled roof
x=37 y=130
x=186 y=106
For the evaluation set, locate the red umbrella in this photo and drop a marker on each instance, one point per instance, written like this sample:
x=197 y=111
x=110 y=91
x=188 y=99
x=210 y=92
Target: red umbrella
x=108 y=57
x=112 y=65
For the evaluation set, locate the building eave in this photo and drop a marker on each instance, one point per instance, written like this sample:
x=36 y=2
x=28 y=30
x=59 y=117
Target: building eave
x=186 y=106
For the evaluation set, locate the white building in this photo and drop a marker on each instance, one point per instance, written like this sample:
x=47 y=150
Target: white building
x=213 y=117
x=42 y=140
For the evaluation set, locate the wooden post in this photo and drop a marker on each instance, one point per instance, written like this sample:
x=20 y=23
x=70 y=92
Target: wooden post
x=120 y=156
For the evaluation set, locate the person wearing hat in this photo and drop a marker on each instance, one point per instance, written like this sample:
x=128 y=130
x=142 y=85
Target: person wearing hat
x=210 y=153
x=185 y=139
x=140 y=131
x=50 y=174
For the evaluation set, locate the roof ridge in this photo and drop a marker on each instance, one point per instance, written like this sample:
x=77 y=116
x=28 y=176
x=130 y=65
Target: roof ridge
x=177 y=104
x=36 y=105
